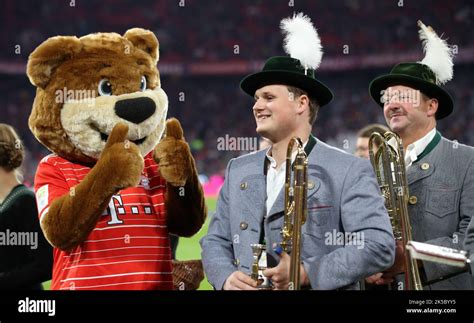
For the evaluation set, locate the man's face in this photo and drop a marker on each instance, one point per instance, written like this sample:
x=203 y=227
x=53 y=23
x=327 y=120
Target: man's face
x=362 y=147
x=275 y=112
x=405 y=109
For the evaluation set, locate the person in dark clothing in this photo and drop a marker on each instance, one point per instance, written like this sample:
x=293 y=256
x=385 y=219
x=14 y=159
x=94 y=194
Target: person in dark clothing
x=25 y=255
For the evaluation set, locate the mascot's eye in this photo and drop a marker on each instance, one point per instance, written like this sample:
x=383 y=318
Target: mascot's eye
x=143 y=84
x=105 y=88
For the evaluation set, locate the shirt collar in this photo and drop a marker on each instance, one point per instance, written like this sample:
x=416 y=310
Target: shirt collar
x=273 y=161
x=270 y=158
x=415 y=149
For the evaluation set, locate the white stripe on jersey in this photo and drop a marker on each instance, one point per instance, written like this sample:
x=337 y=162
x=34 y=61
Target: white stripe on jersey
x=127 y=283
x=138 y=247
x=154 y=187
x=43 y=213
x=119 y=256
x=62 y=163
x=117 y=262
x=117 y=275
x=158 y=220
x=130 y=226
x=143 y=194
x=45 y=158
x=147 y=204
x=131 y=237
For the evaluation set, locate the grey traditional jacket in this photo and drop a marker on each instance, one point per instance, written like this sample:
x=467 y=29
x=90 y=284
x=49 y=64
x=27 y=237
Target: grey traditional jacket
x=343 y=201
x=441 y=204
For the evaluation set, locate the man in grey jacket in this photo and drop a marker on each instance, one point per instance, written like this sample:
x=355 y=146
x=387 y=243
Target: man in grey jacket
x=347 y=235
x=469 y=244
x=440 y=172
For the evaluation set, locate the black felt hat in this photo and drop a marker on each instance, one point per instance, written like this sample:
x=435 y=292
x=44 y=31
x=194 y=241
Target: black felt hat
x=417 y=76
x=287 y=71
x=427 y=76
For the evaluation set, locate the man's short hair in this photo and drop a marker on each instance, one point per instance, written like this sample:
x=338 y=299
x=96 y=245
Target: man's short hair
x=368 y=130
x=313 y=104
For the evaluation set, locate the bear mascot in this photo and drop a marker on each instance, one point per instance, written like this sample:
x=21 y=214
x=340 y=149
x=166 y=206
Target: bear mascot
x=121 y=177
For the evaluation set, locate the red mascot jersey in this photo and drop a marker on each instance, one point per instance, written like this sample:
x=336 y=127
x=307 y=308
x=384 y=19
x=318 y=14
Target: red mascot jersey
x=129 y=247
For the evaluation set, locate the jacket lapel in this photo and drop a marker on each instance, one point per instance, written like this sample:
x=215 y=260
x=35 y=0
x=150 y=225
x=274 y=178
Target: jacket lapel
x=313 y=185
x=423 y=167
x=253 y=189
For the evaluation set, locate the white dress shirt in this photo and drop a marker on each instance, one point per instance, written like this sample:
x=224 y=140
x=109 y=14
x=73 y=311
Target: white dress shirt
x=415 y=149
x=276 y=178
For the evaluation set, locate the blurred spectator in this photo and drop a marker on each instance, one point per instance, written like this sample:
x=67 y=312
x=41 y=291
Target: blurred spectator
x=26 y=255
x=363 y=136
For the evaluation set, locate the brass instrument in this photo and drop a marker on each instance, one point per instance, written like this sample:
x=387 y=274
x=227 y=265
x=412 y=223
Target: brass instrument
x=294 y=216
x=295 y=208
x=262 y=283
x=389 y=165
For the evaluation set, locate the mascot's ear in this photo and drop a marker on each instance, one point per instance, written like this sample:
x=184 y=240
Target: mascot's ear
x=144 y=40
x=48 y=56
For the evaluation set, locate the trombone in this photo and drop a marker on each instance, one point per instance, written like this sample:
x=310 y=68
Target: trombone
x=389 y=166
x=296 y=192
x=296 y=181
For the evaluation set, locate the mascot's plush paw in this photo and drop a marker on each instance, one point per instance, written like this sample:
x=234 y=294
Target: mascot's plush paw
x=121 y=159
x=173 y=155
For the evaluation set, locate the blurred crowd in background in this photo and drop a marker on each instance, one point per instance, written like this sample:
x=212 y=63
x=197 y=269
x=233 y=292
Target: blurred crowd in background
x=212 y=106
x=208 y=29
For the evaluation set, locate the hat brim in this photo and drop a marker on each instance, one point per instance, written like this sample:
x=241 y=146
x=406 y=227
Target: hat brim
x=314 y=88
x=381 y=83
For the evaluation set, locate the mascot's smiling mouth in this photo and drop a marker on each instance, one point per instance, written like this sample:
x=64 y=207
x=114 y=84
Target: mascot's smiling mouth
x=89 y=129
x=137 y=142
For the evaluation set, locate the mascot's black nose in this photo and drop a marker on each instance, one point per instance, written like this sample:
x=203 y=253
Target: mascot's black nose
x=135 y=110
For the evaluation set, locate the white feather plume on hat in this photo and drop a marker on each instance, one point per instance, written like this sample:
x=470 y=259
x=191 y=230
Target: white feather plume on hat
x=438 y=54
x=302 y=40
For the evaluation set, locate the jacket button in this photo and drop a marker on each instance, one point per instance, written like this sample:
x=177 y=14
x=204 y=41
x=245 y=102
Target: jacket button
x=425 y=166
x=310 y=185
x=243 y=225
x=236 y=262
x=243 y=185
x=413 y=200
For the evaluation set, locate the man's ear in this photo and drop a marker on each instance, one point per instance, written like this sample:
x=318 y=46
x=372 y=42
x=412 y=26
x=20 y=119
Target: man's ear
x=303 y=101
x=144 y=40
x=432 y=107
x=44 y=60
